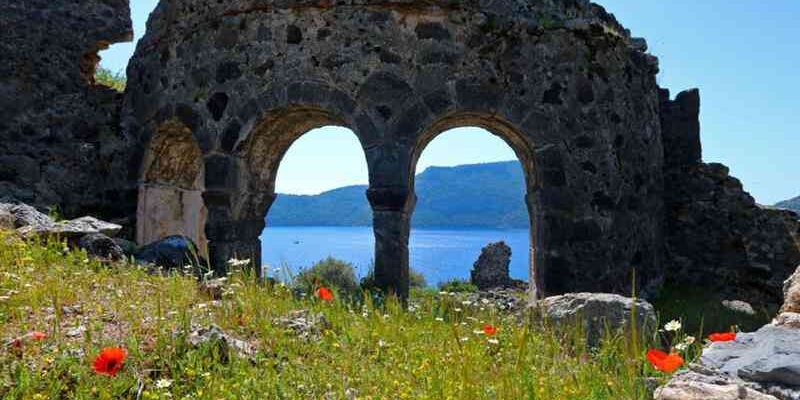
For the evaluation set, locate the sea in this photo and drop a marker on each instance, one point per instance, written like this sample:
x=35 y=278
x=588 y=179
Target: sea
x=439 y=254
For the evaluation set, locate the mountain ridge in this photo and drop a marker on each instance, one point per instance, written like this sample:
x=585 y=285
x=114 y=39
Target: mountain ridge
x=488 y=195
x=791 y=204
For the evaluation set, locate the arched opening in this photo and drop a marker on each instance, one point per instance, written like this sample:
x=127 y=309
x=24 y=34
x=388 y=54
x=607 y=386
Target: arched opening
x=320 y=209
x=319 y=158
x=472 y=180
x=171 y=190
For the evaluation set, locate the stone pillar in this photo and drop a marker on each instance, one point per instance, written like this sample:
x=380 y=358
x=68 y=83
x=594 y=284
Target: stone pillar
x=536 y=288
x=391 y=210
x=234 y=239
x=231 y=237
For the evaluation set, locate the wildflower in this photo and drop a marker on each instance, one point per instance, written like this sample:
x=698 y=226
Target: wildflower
x=324 y=294
x=36 y=335
x=110 y=361
x=457 y=309
x=667 y=363
x=493 y=341
x=722 y=337
x=689 y=340
x=489 y=330
x=673 y=326
x=440 y=319
x=681 y=346
x=238 y=263
x=163 y=383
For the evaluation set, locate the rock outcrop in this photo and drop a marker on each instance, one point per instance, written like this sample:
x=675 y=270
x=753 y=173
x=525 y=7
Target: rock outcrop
x=171 y=253
x=760 y=365
x=490 y=271
x=599 y=313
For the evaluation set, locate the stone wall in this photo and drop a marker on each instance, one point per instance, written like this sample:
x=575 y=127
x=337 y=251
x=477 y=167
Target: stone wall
x=717 y=236
x=60 y=142
x=218 y=91
x=562 y=82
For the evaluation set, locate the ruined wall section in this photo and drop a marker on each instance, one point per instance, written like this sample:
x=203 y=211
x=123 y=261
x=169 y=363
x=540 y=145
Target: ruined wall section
x=569 y=89
x=717 y=236
x=60 y=142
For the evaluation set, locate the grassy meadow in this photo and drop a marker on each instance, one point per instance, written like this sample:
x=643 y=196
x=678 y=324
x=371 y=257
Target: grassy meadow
x=436 y=347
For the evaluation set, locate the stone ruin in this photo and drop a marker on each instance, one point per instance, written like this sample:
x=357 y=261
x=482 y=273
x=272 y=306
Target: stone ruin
x=218 y=91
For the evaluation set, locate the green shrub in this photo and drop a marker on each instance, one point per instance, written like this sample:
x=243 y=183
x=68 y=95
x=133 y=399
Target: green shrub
x=457 y=286
x=329 y=272
x=116 y=81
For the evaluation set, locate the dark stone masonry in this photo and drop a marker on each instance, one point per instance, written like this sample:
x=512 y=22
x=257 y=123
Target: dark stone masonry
x=219 y=90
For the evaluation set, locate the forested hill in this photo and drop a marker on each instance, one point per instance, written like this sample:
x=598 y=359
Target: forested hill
x=478 y=196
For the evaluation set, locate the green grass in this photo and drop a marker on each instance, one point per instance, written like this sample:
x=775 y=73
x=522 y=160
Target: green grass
x=702 y=311
x=428 y=351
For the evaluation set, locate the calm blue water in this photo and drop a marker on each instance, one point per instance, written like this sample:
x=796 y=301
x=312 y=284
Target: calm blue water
x=439 y=254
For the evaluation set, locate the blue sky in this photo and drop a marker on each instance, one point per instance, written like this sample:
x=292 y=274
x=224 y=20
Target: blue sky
x=743 y=55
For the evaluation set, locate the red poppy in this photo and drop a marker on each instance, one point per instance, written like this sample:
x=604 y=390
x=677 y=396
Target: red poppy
x=324 y=294
x=36 y=335
x=489 y=330
x=664 y=362
x=109 y=361
x=722 y=337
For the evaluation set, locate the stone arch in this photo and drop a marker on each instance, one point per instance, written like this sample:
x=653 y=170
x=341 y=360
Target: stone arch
x=171 y=187
x=238 y=210
x=524 y=150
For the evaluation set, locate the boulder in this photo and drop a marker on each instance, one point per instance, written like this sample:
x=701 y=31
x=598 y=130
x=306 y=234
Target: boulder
x=172 y=252
x=490 y=271
x=769 y=356
x=739 y=306
x=598 y=312
x=101 y=246
x=71 y=230
x=94 y=224
x=704 y=384
x=27 y=216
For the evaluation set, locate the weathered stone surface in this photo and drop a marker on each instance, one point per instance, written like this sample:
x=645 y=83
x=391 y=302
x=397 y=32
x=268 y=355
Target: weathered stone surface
x=26 y=216
x=718 y=237
x=226 y=344
x=60 y=142
x=173 y=252
x=92 y=223
x=6 y=220
x=397 y=74
x=71 y=230
x=787 y=319
x=101 y=246
x=490 y=271
x=598 y=312
x=769 y=356
x=708 y=385
x=791 y=293
x=304 y=324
